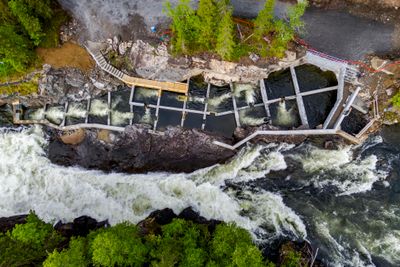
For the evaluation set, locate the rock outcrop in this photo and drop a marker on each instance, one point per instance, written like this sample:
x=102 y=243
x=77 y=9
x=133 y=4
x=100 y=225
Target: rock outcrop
x=139 y=150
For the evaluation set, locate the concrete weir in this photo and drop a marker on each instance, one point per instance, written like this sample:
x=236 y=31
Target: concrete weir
x=236 y=108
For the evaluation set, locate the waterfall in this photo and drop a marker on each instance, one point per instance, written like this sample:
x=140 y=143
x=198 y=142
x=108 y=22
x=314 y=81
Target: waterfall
x=285 y=117
x=76 y=110
x=99 y=108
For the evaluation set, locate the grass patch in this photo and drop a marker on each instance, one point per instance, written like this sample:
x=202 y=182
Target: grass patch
x=22 y=89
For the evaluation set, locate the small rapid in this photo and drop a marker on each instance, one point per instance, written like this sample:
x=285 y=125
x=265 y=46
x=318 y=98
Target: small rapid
x=342 y=201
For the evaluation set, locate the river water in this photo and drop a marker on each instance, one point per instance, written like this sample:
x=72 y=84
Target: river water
x=345 y=202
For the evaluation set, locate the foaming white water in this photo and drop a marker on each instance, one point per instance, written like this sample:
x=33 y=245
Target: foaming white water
x=248 y=90
x=119 y=118
x=37 y=115
x=314 y=160
x=55 y=114
x=218 y=100
x=249 y=120
x=285 y=117
x=147 y=118
x=348 y=175
x=268 y=210
x=219 y=173
x=340 y=256
x=99 y=108
x=30 y=181
x=76 y=110
x=145 y=94
x=197 y=99
x=388 y=246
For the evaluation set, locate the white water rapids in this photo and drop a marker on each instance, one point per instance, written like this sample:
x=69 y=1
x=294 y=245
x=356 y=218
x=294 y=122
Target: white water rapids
x=30 y=182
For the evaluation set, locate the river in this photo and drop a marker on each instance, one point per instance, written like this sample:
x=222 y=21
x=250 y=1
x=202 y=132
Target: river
x=345 y=202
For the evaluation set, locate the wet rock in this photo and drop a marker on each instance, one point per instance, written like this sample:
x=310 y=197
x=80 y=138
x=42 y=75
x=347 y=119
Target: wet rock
x=8 y=223
x=162 y=217
x=123 y=47
x=138 y=150
x=73 y=137
x=6 y=117
x=81 y=226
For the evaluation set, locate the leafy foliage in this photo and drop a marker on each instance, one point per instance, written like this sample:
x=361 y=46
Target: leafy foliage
x=24 y=25
x=395 y=100
x=225 y=39
x=232 y=246
x=74 y=256
x=211 y=28
x=27 y=243
x=181 y=243
x=15 y=50
x=185 y=26
x=119 y=245
x=209 y=23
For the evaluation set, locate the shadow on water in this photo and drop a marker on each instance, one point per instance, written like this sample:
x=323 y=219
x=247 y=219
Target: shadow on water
x=311 y=77
x=197 y=93
x=354 y=122
x=279 y=84
x=317 y=113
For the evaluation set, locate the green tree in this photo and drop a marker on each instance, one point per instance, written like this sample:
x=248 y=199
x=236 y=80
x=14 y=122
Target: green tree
x=264 y=23
x=294 y=15
x=119 y=245
x=232 y=246
x=15 y=50
x=225 y=46
x=74 y=256
x=395 y=100
x=27 y=244
x=32 y=16
x=181 y=243
x=185 y=26
x=207 y=13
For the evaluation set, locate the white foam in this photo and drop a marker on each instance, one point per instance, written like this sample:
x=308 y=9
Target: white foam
x=99 y=108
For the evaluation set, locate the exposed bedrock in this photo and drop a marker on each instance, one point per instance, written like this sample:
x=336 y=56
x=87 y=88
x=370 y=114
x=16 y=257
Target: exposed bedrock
x=137 y=150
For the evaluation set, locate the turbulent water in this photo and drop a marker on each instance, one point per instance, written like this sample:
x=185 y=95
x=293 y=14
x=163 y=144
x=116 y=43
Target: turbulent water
x=344 y=202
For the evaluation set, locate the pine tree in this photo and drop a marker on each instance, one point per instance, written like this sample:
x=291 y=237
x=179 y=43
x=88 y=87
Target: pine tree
x=264 y=22
x=207 y=13
x=185 y=25
x=225 y=40
x=294 y=15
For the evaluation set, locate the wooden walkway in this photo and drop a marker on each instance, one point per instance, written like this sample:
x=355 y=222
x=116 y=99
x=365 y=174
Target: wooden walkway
x=177 y=87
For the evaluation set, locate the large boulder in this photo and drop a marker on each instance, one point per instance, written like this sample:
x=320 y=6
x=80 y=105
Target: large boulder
x=139 y=150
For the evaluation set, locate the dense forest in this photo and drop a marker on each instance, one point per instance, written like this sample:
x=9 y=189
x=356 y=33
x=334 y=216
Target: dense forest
x=211 y=28
x=25 y=25
x=177 y=243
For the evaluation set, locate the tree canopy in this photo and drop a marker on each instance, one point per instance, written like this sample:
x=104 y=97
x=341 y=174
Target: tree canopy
x=211 y=28
x=24 y=25
x=179 y=243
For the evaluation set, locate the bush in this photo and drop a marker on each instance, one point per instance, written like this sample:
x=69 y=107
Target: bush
x=24 y=25
x=233 y=246
x=74 y=256
x=395 y=100
x=119 y=245
x=27 y=243
x=181 y=243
